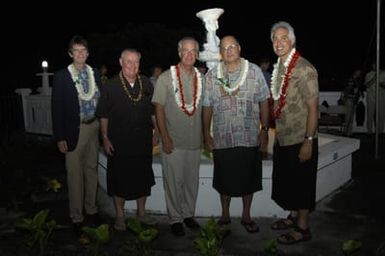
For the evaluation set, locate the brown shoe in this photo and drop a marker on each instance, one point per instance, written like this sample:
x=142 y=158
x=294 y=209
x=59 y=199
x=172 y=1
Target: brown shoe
x=94 y=219
x=177 y=229
x=77 y=226
x=191 y=223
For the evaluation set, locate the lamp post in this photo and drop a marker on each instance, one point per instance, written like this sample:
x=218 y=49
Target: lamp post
x=210 y=55
x=45 y=90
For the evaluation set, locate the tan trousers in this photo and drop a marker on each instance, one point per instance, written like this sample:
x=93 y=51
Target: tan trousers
x=181 y=181
x=82 y=172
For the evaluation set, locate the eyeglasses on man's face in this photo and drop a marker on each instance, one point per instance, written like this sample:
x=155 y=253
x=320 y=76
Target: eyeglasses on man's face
x=229 y=47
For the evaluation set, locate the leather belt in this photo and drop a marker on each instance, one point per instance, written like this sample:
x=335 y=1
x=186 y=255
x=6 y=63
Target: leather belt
x=88 y=121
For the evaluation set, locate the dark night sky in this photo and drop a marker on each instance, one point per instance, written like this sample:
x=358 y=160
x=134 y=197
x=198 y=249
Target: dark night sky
x=336 y=39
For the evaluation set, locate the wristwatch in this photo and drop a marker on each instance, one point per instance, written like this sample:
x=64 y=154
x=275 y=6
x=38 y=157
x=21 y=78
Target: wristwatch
x=265 y=128
x=309 y=138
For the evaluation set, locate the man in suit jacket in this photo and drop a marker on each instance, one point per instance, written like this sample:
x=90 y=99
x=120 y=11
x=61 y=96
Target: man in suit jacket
x=75 y=94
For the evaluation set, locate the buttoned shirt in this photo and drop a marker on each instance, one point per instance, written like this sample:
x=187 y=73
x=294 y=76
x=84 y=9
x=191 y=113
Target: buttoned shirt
x=236 y=117
x=185 y=131
x=303 y=85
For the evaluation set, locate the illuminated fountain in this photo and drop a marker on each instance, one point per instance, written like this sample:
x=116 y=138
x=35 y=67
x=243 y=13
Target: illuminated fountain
x=210 y=55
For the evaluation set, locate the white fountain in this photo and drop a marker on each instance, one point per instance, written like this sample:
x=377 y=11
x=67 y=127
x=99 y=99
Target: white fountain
x=210 y=55
x=45 y=90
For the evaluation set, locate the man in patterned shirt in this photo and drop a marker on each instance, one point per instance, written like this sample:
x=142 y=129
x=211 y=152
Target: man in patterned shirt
x=236 y=97
x=294 y=89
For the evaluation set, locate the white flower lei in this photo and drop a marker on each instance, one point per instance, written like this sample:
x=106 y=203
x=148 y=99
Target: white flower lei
x=241 y=79
x=91 y=82
x=177 y=93
x=275 y=90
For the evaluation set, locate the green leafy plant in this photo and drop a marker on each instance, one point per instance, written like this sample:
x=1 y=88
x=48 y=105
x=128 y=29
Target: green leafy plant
x=46 y=184
x=40 y=230
x=98 y=237
x=53 y=185
x=209 y=242
x=46 y=189
x=351 y=246
x=143 y=237
x=270 y=247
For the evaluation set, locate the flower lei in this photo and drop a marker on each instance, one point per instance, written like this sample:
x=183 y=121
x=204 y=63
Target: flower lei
x=279 y=92
x=79 y=87
x=241 y=79
x=188 y=109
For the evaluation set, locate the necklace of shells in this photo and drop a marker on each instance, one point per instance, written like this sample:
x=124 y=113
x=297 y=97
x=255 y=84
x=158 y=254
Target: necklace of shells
x=124 y=85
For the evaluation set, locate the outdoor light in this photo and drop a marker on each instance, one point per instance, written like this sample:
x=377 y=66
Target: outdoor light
x=44 y=65
x=45 y=90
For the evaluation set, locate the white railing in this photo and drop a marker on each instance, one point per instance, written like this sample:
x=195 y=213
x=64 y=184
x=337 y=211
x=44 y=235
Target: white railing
x=332 y=100
x=36 y=112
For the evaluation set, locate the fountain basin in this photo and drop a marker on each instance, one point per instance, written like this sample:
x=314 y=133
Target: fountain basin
x=334 y=170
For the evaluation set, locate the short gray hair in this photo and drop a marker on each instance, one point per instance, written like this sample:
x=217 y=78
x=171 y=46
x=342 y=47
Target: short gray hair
x=184 y=39
x=131 y=50
x=285 y=25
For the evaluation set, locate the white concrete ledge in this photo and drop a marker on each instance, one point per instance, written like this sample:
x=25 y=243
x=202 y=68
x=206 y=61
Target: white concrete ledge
x=334 y=170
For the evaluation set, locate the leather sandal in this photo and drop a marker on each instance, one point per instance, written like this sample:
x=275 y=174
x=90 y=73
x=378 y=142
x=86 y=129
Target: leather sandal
x=287 y=223
x=291 y=238
x=250 y=226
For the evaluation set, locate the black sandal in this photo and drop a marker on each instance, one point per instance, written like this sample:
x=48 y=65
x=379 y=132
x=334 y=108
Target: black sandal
x=289 y=238
x=287 y=223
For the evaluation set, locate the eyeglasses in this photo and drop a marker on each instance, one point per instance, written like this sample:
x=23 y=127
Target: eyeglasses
x=229 y=47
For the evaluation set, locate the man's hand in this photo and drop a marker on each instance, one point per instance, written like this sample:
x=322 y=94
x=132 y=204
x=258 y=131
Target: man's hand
x=62 y=146
x=209 y=143
x=305 y=151
x=107 y=146
x=168 y=145
x=263 y=141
